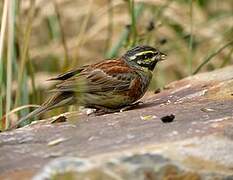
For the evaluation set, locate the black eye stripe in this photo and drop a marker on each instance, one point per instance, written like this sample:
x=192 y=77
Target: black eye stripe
x=145 y=56
x=148 y=55
x=155 y=53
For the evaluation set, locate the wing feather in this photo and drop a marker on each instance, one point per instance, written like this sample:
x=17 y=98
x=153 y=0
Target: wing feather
x=68 y=74
x=97 y=80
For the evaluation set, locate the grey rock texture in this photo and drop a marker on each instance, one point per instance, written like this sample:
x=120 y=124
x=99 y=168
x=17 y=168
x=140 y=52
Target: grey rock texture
x=135 y=144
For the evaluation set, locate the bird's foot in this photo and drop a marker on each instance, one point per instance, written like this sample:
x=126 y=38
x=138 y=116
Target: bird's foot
x=103 y=110
x=131 y=106
x=99 y=110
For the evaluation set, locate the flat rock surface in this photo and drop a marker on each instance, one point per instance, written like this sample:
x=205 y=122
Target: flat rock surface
x=202 y=106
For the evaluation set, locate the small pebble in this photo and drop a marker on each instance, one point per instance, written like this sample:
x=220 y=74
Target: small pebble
x=157 y=91
x=207 y=110
x=148 y=117
x=56 y=141
x=168 y=118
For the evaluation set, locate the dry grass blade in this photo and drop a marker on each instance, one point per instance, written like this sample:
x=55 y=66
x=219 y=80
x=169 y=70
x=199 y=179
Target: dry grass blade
x=81 y=36
x=14 y=111
x=21 y=108
x=10 y=56
x=25 y=50
x=125 y=33
x=210 y=56
x=3 y=29
x=64 y=42
x=110 y=25
x=190 y=59
x=133 y=29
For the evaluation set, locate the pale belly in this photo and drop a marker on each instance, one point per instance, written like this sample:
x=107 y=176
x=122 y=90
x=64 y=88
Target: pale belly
x=108 y=100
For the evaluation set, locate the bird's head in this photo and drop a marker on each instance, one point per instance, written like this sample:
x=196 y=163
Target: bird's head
x=144 y=56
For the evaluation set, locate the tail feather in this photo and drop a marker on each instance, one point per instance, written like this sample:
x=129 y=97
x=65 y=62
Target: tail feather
x=58 y=100
x=34 y=113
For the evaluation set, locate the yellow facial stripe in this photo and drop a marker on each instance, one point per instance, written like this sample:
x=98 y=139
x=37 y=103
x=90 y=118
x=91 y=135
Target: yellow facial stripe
x=141 y=53
x=144 y=52
x=147 y=60
x=144 y=61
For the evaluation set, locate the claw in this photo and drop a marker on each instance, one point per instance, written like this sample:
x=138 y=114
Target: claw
x=103 y=110
x=131 y=106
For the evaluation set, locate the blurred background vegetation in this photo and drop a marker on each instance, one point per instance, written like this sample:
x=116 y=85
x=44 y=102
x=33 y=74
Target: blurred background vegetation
x=41 y=38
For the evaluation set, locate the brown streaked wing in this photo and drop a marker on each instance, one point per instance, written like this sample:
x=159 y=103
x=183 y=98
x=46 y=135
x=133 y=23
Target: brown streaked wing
x=111 y=75
x=68 y=74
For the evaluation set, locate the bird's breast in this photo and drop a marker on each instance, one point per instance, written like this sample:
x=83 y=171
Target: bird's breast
x=139 y=85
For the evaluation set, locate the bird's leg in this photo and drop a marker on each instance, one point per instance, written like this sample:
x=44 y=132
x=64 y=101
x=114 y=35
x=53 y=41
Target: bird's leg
x=104 y=110
x=131 y=106
x=100 y=110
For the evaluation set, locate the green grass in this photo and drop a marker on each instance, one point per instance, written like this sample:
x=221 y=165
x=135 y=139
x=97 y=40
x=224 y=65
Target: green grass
x=125 y=36
x=22 y=77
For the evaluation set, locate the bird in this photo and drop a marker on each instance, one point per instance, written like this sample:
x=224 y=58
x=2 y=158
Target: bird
x=107 y=86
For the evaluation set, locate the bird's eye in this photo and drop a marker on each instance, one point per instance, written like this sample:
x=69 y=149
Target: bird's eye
x=149 y=55
x=156 y=53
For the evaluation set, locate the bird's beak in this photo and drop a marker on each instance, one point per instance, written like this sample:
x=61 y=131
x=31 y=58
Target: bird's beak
x=162 y=57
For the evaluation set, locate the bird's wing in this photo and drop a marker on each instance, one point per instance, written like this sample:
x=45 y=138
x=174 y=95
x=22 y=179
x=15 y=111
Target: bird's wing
x=68 y=74
x=100 y=78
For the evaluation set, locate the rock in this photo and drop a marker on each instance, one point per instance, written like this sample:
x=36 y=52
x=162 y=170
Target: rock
x=135 y=144
x=141 y=167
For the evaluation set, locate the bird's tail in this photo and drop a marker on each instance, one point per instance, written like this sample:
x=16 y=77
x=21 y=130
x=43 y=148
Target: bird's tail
x=58 y=100
x=34 y=113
